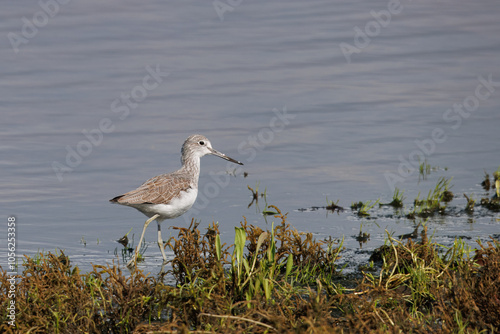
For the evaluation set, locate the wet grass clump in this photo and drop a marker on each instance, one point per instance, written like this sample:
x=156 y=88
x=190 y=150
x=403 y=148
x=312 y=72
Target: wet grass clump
x=362 y=237
x=362 y=208
x=397 y=199
x=270 y=255
x=256 y=195
x=486 y=181
x=424 y=169
x=492 y=204
x=333 y=206
x=471 y=202
x=434 y=203
x=53 y=297
x=448 y=289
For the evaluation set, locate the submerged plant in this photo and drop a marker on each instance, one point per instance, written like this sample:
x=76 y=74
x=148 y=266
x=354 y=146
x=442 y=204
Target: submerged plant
x=486 y=181
x=362 y=237
x=469 y=208
x=333 y=206
x=397 y=199
x=128 y=248
x=362 y=208
x=433 y=203
x=424 y=169
x=256 y=195
x=492 y=204
x=496 y=174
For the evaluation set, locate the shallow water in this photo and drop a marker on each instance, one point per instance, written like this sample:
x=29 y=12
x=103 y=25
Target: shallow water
x=269 y=85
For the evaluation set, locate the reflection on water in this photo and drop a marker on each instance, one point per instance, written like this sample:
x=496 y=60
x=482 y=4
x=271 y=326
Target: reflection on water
x=97 y=97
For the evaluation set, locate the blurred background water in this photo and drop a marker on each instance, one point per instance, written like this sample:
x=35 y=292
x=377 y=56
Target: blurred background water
x=320 y=99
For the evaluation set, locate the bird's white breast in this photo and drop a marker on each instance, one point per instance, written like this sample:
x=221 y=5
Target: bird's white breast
x=176 y=207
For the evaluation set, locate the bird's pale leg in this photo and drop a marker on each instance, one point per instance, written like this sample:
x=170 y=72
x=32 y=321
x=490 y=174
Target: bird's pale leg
x=131 y=263
x=160 y=243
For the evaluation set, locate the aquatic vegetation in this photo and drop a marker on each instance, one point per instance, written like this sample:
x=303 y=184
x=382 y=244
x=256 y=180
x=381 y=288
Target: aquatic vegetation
x=333 y=206
x=471 y=202
x=362 y=208
x=433 y=283
x=412 y=235
x=53 y=297
x=256 y=194
x=268 y=212
x=124 y=240
x=492 y=204
x=486 y=181
x=487 y=184
x=496 y=174
x=362 y=237
x=278 y=280
x=397 y=199
x=128 y=248
x=330 y=206
x=433 y=203
x=424 y=169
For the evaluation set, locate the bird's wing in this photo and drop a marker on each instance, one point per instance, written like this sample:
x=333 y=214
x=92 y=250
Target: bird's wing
x=160 y=189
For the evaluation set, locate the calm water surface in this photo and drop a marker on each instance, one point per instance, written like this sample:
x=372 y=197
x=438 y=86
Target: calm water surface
x=319 y=99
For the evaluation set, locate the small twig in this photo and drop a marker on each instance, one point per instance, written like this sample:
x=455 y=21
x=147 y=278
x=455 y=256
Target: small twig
x=387 y=315
x=238 y=318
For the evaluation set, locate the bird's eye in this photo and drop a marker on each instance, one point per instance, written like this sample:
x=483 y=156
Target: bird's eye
x=201 y=142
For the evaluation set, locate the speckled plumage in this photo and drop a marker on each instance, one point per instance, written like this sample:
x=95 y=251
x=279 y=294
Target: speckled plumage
x=168 y=196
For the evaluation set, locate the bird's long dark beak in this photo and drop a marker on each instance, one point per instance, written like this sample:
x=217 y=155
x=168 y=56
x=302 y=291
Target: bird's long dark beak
x=223 y=156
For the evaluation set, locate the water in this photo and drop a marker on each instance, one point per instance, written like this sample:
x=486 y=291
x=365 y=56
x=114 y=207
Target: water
x=284 y=86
